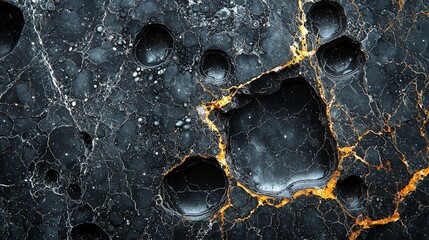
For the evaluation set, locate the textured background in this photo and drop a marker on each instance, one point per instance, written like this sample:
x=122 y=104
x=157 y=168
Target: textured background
x=238 y=119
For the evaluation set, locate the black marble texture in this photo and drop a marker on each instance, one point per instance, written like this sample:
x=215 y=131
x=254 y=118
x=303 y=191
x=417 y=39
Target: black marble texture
x=214 y=119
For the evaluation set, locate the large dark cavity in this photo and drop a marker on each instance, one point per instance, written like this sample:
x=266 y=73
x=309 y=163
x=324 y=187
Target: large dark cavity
x=88 y=231
x=195 y=189
x=340 y=57
x=11 y=25
x=153 y=45
x=352 y=192
x=215 y=65
x=327 y=19
x=281 y=143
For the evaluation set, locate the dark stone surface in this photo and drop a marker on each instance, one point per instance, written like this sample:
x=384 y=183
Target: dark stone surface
x=238 y=119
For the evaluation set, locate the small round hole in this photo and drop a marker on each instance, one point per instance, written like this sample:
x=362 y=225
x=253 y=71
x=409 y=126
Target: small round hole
x=215 y=65
x=51 y=176
x=11 y=25
x=327 y=19
x=352 y=192
x=195 y=189
x=341 y=57
x=153 y=45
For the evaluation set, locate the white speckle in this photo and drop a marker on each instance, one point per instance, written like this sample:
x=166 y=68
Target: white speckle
x=161 y=71
x=188 y=120
x=74 y=104
x=140 y=120
x=135 y=74
x=180 y=123
x=156 y=123
x=201 y=110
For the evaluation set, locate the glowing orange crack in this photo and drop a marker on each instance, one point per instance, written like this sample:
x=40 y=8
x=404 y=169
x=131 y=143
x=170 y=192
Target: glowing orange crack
x=327 y=191
x=401 y=195
x=205 y=110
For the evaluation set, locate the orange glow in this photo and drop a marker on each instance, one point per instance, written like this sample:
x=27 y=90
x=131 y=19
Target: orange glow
x=299 y=53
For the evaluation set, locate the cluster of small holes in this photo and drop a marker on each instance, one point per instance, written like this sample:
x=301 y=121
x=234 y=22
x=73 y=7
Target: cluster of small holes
x=340 y=57
x=154 y=46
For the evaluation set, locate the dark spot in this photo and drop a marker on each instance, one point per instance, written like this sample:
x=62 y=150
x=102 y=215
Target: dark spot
x=153 y=45
x=215 y=65
x=74 y=191
x=66 y=146
x=50 y=6
x=51 y=176
x=88 y=231
x=341 y=57
x=22 y=94
x=87 y=139
x=281 y=143
x=116 y=218
x=195 y=189
x=11 y=25
x=6 y=125
x=327 y=19
x=352 y=192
